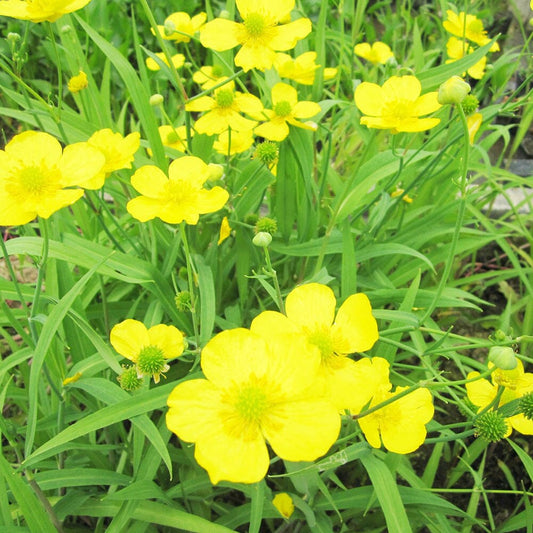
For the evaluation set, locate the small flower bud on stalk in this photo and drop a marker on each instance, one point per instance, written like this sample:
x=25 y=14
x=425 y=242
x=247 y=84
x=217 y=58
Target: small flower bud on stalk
x=183 y=301
x=262 y=239
x=503 y=357
x=129 y=380
x=156 y=99
x=453 y=91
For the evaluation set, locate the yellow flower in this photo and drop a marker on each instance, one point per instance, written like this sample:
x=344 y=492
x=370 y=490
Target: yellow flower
x=178 y=197
x=78 y=83
x=177 y=60
x=180 y=27
x=208 y=76
x=117 y=150
x=310 y=312
x=400 y=425
x=517 y=383
x=39 y=10
x=301 y=69
x=376 y=53
x=149 y=348
x=457 y=49
x=284 y=504
x=260 y=34
x=474 y=122
x=239 y=142
x=255 y=390
x=223 y=110
x=225 y=230
x=467 y=26
x=175 y=138
x=397 y=105
x=37 y=177
x=286 y=109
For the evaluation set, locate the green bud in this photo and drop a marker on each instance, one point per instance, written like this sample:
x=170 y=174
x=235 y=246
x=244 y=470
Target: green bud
x=215 y=171
x=503 y=357
x=66 y=28
x=151 y=361
x=13 y=37
x=262 y=239
x=183 y=300
x=500 y=336
x=267 y=152
x=469 y=104
x=526 y=405
x=491 y=426
x=266 y=224
x=453 y=91
x=129 y=380
x=224 y=14
x=169 y=28
x=156 y=99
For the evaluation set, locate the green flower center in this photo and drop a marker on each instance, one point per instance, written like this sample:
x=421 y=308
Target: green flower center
x=178 y=192
x=172 y=137
x=251 y=402
x=255 y=25
x=217 y=71
x=33 y=181
x=151 y=360
x=400 y=108
x=283 y=109
x=224 y=98
x=491 y=426
x=321 y=337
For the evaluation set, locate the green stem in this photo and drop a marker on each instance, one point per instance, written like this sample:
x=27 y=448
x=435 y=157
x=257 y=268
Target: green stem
x=190 y=279
x=274 y=276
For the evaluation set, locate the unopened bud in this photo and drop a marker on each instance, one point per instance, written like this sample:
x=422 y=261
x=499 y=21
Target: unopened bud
x=503 y=357
x=215 y=171
x=224 y=14
x=129 y=380
x=13 y=37
x=262 y=239
x=453 y=91
x=156 y=99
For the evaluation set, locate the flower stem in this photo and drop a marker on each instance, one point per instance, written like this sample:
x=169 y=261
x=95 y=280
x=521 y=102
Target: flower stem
x=270 y=270
x=190 y=279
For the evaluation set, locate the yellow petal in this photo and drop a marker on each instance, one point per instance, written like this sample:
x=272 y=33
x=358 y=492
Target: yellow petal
x=311 y=304
x=34 y=148
x=415 y=124
x=190 y=169
x=80 y=164
x=143 y=208
x=355 y=329
x=129 y=337
x=204 y=103
x=249 y=104
x=369 y=98
x=287 y=35
x=168 y=338
x=284 y=504
x=234 y=355
x=402 y=87
x=282 y=92
x=212 y=200
x=220 y=34
x=302 y=430
x=269 y=322
x=480 y=392
x=521 y=424
x=426 y=104
x=252 y=56
x=57 y=200
x=149 y=180
x=273 y=131
x=306 y=109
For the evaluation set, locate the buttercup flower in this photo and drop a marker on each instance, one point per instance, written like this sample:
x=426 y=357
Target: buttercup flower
x=310 y=312
x=180 y=27
x=117 y=150
x=397 y=105
x=225 y=230
x=467 y=26
x=260 y=34
x=149 y=348
x=400 y=426
x=255 y=391
x=517 y=383
x=177 y=60
x=284 y=504
x=38 y=177
x=208 y=76
x=301 y=69
x=39 y=10
x=457 y=49
x=234 y=143
x=223 y=110
x=78 y=83
x=178 y=197
x=286 y=109
x=377 y=53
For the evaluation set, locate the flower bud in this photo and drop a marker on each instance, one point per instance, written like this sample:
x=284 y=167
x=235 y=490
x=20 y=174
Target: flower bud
x=78 y=83
x=491 y=426
x=66 y=28
x=503 y=357
x=453 y=91
x=224 y=14
x=183 y=301
x=13 y=37
x=215 y=171
x=156 y=99
x=169 y=28
x=262 y=239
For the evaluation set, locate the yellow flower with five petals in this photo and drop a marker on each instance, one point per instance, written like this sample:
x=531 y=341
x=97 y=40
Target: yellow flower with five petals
x=301 y=69
x=256 y=391
x=117 y=150
x=180 y=27
x=310 y=312
x=260 y=34
x=286 y=109
x=178 y=197
x=38 y=177
x=397 y=105
x=376 y=53
x=467 y=26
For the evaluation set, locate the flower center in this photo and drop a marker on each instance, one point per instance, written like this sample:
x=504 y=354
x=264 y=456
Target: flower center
x=217 y=71
x=177 y=191
x=151 y=360
x=255 y=25
x=509 y=379
x=224 y=98
x=321 y=337
x=283 y=109
x=32 y=182
x=251 y=402
x=399 y=108
x=172 y=137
